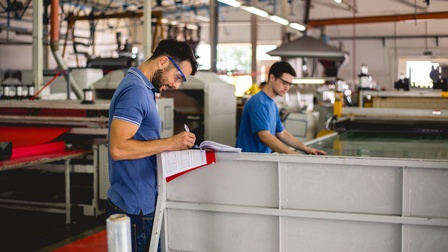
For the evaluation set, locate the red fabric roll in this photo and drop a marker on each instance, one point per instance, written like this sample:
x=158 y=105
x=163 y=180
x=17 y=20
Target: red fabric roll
x=28 y=136
x=36 y=150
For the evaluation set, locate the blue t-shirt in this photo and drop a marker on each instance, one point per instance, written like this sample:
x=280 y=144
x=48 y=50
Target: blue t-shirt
x=259 y=113
x=133 y=183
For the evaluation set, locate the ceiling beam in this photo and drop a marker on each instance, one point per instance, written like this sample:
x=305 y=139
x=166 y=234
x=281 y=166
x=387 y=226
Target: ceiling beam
x=376 y=19
x=127 y=14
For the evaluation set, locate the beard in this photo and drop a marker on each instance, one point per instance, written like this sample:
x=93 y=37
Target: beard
x=157 y=79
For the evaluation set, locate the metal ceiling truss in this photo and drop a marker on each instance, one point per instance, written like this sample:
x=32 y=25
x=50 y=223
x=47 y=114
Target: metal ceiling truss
x=16 y=8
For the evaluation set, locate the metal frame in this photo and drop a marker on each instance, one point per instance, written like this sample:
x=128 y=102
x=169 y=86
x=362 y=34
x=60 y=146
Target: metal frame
x=320 y=203
x=44 y=206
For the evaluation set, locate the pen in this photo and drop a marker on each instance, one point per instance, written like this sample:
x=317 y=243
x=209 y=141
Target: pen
x=186 y=128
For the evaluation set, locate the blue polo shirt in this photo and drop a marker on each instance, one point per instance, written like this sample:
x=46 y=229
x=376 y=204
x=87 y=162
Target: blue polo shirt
x=259 y=113
x=133 y=183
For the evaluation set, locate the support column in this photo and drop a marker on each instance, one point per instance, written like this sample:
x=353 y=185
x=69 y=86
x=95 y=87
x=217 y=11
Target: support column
x=147 y=29
x=38 y=73
x=213 y=34
x=254 y=39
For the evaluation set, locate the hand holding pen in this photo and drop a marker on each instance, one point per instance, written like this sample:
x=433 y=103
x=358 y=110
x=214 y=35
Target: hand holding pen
x=188 y=130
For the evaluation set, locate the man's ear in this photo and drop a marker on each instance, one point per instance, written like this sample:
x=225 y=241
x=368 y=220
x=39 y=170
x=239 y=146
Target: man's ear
x=163 y=62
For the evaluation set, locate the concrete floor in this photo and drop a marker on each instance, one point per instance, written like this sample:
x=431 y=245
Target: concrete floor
x=38 y=231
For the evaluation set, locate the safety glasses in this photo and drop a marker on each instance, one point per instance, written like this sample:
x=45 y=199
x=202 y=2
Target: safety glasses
x=180 y=75
x=286 y=83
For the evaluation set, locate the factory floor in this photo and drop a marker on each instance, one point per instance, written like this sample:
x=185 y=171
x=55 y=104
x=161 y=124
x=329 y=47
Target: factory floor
x=38 y=231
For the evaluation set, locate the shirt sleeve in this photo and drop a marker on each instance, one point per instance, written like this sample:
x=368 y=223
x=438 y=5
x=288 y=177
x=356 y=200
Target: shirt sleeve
x=259 y=119
x=131 y=105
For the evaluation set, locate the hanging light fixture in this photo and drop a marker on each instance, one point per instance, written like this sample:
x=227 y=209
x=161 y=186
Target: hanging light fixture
x=297 y=26
x=279 y=20
x=262 y=13
x=232 y=3
x=255 y=11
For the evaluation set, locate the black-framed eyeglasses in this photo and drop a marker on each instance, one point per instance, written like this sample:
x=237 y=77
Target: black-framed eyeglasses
x=181 y=75
x=286 y=83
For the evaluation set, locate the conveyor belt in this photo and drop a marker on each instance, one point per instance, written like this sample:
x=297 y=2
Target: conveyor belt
x=386 y=145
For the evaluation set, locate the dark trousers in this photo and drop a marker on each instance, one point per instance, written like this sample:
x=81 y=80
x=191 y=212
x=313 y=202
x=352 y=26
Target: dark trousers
x=141 y=227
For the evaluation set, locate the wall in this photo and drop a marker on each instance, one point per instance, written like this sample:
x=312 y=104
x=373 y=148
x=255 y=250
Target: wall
x=17 y=52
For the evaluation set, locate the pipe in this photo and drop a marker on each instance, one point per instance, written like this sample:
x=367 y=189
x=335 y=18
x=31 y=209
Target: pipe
x=126 y=14
x=55 y=46
x=377 y=19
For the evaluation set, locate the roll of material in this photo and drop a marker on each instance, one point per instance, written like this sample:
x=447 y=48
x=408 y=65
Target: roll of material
x=118 y=233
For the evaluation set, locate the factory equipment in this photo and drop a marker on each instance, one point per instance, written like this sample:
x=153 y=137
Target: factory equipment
x=207 y=104
x=57 y=168
x=111 y=63
x=402 y=83
x=303 y=125
x=76 y=176
x=105 y=87
x=365 y=79
x=57 y=90
x=365 y=82
x=388 y=126
x=439 y=77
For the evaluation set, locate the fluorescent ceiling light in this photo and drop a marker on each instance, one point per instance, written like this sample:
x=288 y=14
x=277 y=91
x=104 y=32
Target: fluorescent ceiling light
x=255 y=11
x=297 y=26
x=233 y=3
x=279 y=20
x=308 y=81
x=338 y=1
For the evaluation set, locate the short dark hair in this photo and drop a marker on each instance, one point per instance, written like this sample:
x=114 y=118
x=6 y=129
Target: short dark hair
x=178 y=50
x=279 y=68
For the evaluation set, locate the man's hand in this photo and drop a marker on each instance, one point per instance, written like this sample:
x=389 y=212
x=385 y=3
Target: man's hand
x=313 y=151
x=182 y=141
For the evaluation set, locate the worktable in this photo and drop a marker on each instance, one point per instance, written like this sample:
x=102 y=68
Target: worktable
x=385 y=145
x=374 y=191
x=38 y=160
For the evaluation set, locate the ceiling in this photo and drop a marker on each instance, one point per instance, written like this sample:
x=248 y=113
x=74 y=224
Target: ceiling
x=197 y=11
x=304 y=11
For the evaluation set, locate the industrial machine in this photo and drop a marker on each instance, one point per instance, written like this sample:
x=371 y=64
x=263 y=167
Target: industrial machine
x=411 y=124
x=207 y=104
x=75 y=174
x=47 y=176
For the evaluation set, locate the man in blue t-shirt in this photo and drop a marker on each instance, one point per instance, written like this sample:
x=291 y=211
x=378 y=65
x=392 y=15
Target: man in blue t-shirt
x=134 y=135
x=260 y=128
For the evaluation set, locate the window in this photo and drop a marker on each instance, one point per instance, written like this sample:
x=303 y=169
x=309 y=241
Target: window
x=419 y=73
x=234 y=63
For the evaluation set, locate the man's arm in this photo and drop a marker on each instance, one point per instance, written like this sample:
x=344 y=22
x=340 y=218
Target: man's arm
x=273 y=142
x=122 y=146
x=286 y=137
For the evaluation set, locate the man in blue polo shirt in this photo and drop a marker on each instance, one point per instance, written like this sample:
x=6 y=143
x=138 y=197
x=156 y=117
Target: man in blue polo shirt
x=260 y=128
x=134 y=135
